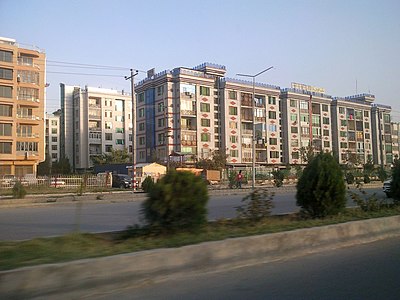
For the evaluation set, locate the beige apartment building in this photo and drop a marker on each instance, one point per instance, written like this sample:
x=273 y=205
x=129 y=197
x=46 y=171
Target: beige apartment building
x=22 y=102
x=352 y=129
x=306 y=122
x=382 y=134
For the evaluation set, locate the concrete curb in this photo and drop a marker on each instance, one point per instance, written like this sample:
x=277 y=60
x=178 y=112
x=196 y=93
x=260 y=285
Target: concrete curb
x=95 y=275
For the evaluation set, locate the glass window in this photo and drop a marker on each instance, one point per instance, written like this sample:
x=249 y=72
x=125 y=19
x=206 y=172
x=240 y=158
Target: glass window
x=293 y=117
x=160 y=90
x=5 y=147
x=6 y=73
x=205 y=122
x=273 y=141
x=120 y=142
x=5 y=91
x=324 y=107
x=234 y=153
x=274 y=154
x=5 y=129
x=205 y=137
x=232 y=125
x=5 y=110
x=141 y=112
x=205 y=107
x=6 y=56
x=294 y=130
x=272 y=114
x=141 y=97
x=141 y=126
x=233 y=95
x=293 y=103
x=303 y=105
x=108 y=136
x=366 y=113
x=233 y=110
x=108 y=148
x=271 y=100
x=341 y=110
x=204 y=91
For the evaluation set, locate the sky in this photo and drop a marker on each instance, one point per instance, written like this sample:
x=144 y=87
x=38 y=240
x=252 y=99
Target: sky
x=346 y=47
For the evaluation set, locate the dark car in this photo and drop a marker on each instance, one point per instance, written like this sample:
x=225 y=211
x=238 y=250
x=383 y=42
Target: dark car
x=121 y=181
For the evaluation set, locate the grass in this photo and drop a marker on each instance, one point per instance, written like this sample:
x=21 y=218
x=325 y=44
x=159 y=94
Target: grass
x=76 y=245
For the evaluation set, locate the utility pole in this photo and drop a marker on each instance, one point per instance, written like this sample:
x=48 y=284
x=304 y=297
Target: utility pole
x=253 y=144
x=132 y=79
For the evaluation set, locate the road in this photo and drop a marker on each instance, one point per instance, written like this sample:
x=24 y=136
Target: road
x=366 y=271
x=56 y=219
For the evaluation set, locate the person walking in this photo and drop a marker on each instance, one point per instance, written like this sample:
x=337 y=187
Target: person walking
x=239 y=179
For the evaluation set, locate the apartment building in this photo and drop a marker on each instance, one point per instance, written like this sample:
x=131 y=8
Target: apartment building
x=53 y=136
x=237 y=122
x=395 y=140
x=93 y=121
x=306 y=121
x=22 y=102
x=352 y=129
x=382 y=134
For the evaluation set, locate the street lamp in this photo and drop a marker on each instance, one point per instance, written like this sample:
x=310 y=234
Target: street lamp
x=253 y=146
x=131 y=78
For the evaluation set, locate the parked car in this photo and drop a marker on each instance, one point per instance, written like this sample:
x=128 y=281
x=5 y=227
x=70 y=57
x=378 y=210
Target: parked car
x=121 y=181
x=386 y=187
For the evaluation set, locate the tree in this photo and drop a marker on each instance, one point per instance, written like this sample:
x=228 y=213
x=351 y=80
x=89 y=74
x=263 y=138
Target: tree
x=44 y=168
x=217 y=161
x=368 y=169
x=116 y=156
x=395 y=183
x=61 y=167
x=306 y=154
x=321 y=189
x=178 y=200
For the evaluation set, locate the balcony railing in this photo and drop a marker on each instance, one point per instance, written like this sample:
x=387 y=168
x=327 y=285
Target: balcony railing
x=188 y=112
x=94 y=129
x=28 y=135
x=184 y=127
x=28 y=98
x=28 y=117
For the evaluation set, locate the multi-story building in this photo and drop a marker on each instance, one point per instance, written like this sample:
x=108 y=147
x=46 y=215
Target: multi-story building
x=382 y=134
x=395 y=140
x=22 y=102
x=306 y=122
x=352 y=129
x=53 y=136
x=93 y=121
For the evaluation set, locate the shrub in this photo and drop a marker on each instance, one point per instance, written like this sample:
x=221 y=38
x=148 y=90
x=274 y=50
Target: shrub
x=258 y=205
x=278 y=177
x=18 y=190
x=147 y=184
x=367 y=204
x=367 y=179
x=350 y=178
x=395 y=183
x=321 y=189
x=178 y=200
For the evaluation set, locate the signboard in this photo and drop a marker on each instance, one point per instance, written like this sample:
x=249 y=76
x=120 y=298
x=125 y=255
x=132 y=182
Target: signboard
x=309 y=88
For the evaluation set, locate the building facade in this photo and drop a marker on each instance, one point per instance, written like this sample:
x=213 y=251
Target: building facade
x=53 y=137
x=22 y=103
x=93 y=121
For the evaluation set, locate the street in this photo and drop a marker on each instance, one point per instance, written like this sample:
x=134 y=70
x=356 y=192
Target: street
x=21 y=223
x=364 y=271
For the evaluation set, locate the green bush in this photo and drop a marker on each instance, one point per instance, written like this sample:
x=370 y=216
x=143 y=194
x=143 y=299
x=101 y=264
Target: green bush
x=178 y=200
x=147 y=184
x=18 y=190
x=350 y=178
x=367 y=179
x=278 y=177
x=395 y=184
x=257 y=205
x=321 y=189
x=367 y=203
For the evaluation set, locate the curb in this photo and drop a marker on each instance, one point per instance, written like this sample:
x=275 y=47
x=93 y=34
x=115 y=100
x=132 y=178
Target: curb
x=102 y=274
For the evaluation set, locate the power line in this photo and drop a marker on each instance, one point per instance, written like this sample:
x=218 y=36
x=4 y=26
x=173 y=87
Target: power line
x=86 y=74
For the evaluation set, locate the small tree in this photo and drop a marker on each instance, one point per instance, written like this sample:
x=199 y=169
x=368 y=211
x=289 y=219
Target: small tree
x=257 y=205
x=278 y=177
x=147 y=184
x=382 y=174
x=395 y=184
x=18 y=190
x=321 y=189
x=178 y=200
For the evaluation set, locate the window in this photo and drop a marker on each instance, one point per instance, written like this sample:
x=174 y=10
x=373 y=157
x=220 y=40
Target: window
x=274 y=154
x=5 y=91
x=294 y=143
x=233 y=95
x=232 y=125
x=366 y=113
x=366 y=125
x=5 y=147
x=53 y=122
x=119 y=130
x=325 y=120
x=272 y=114
x=6 y=56
x=205 y=122
x=28 y=76
x=293 y=117
x=142 y=140
x=5 y=110
x=316 y=121
x=141 y=126
x=54 y=139
x=119 y=105
x=294 y=130
x=343 y=145
x=233 y=138
x=304 y=118
x=234 y=153
x=27 y=146
x=141 y=97
x=273 y=141
x=108 y=125
x=272 y=127
x=161 y=122
x=295 y=155
x=304 y=105
x=293 y=103
x=205 y=107
x=232 y=110
x=54 y=130
x=327 y=144
x=120 y=142
x=343 y=122
x=205 y=137
x=272 y=100
x=367 y=136
x=204 y=91
x=341 y=110
x=141 y=112
x=5 y=129
x=54 y=147
x=326 y=132
x=324 y=107
x=6 y=73
x=160 y=107
x=119 y=118
x=305 y=131
x=108 y=136
x=160 y=90
x=109 y=148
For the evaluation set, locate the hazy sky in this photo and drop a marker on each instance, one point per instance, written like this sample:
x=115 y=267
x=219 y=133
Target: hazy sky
x=346 y=47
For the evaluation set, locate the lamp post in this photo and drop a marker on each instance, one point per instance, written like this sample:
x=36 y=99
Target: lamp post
x=253 y=146
x=131 y=78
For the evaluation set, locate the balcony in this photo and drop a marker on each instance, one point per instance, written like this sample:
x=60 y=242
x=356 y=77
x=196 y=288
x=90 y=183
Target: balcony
x=33 y=99
x=94 y=129
x=188 y=128
x=28 y=135
x=188 y=112
x=188 y=143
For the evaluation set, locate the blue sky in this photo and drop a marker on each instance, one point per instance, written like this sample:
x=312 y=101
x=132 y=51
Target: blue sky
x=343 y=46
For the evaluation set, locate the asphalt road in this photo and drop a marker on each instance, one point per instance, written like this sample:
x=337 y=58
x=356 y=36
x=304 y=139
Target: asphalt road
x=367 y=271
x=21 y=223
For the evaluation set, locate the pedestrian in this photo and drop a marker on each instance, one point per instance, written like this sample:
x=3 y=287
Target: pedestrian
x=239 y=179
